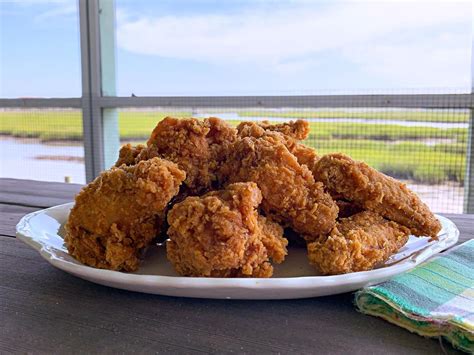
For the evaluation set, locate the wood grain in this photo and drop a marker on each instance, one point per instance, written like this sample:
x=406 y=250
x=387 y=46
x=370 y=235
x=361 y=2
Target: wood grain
x=45 y=310
x=9 y=217
x=465 y=224
x=36 y=193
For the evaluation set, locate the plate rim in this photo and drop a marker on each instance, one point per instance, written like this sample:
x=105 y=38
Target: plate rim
x=23 y=233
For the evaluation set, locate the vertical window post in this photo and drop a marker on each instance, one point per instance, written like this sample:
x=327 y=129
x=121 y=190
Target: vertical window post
x=107 y=49
x=469 y=177
x=100 y=127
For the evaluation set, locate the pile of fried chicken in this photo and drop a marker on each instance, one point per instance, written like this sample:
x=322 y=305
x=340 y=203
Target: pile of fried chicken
x=223 y=198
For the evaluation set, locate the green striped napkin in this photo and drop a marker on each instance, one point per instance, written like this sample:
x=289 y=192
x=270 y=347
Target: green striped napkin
x=434 y=299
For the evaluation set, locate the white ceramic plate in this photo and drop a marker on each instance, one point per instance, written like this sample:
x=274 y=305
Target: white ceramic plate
x=295 y=278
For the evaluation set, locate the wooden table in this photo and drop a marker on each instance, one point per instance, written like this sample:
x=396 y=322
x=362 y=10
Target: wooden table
x=45 y=310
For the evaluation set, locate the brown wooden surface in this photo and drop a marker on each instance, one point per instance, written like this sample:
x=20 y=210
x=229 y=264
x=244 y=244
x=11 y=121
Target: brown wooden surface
x=45 y=310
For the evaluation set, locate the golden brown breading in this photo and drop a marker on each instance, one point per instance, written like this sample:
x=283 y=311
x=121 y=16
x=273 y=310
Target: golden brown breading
x=129 y=153
x=374 y=191
x=119 y=214
x=289 y=132
x=304 y=154
x=221 y=234
x=357 y=243
x=298 y=130
x=196 y=145
x=290 y=194
x=272 y=237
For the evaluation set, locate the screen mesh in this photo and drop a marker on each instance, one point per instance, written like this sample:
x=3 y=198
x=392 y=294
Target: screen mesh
x=424 y=148
x=42 y=144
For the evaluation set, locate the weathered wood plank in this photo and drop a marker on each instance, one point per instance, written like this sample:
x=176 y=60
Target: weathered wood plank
x=9 y=217
x=35 y=186
x=465 y=224
x=46 y=310
x=28 y=200
x=36 y=193
x=16 y=209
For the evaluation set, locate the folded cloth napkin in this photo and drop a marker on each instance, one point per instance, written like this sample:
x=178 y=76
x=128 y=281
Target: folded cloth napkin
x=434 y=299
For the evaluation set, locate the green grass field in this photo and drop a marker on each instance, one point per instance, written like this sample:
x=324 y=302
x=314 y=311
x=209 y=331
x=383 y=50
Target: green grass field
x=67 y=125
x=405 y=160
x=424 y=116
x=424 y=154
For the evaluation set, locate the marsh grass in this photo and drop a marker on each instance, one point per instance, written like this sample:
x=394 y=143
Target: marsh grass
x=424 y=154
x=448 y=116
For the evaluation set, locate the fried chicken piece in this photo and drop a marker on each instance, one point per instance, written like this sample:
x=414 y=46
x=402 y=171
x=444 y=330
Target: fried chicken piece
x=290 y=132
x=129 y=153
x=221 y=234
x=374 y=191
x=357 y=243
x=298 y=130
x=290 y=194
x=304 y=154
x=119 y=214
x=196 y=145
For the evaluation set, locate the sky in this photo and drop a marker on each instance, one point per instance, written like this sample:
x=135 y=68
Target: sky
x=204 y=47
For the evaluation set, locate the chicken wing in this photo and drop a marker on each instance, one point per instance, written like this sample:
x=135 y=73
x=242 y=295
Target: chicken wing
x=357 y=243
x=290 y=194
x=291 y=133
x=357 y=182
x=298 y=130
x=119 y=214
x=196 y=145
x=221 y=234
x=128 y=154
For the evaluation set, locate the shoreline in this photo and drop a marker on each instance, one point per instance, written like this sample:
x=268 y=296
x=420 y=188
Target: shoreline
x=80 y=159
x=58 y=142
x=30 y=158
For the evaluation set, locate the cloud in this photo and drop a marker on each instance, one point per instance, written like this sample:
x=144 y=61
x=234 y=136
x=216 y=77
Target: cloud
x=36 y=2
x=47 y=9
x=437 y=62
x=291 y=38
x=63 y=9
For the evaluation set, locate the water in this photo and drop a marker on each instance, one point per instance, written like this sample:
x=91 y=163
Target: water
x=235 y=116
x=18 y=160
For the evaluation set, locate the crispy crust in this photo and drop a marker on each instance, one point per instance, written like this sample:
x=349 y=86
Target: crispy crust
x=298 y=130
x=357 y=182
x=197 y=145
x=351 y=216
x=357 y=243
x=290 y=194
x=289 y=134
x=119 y=214
x=128 y=154
x=221 y=235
